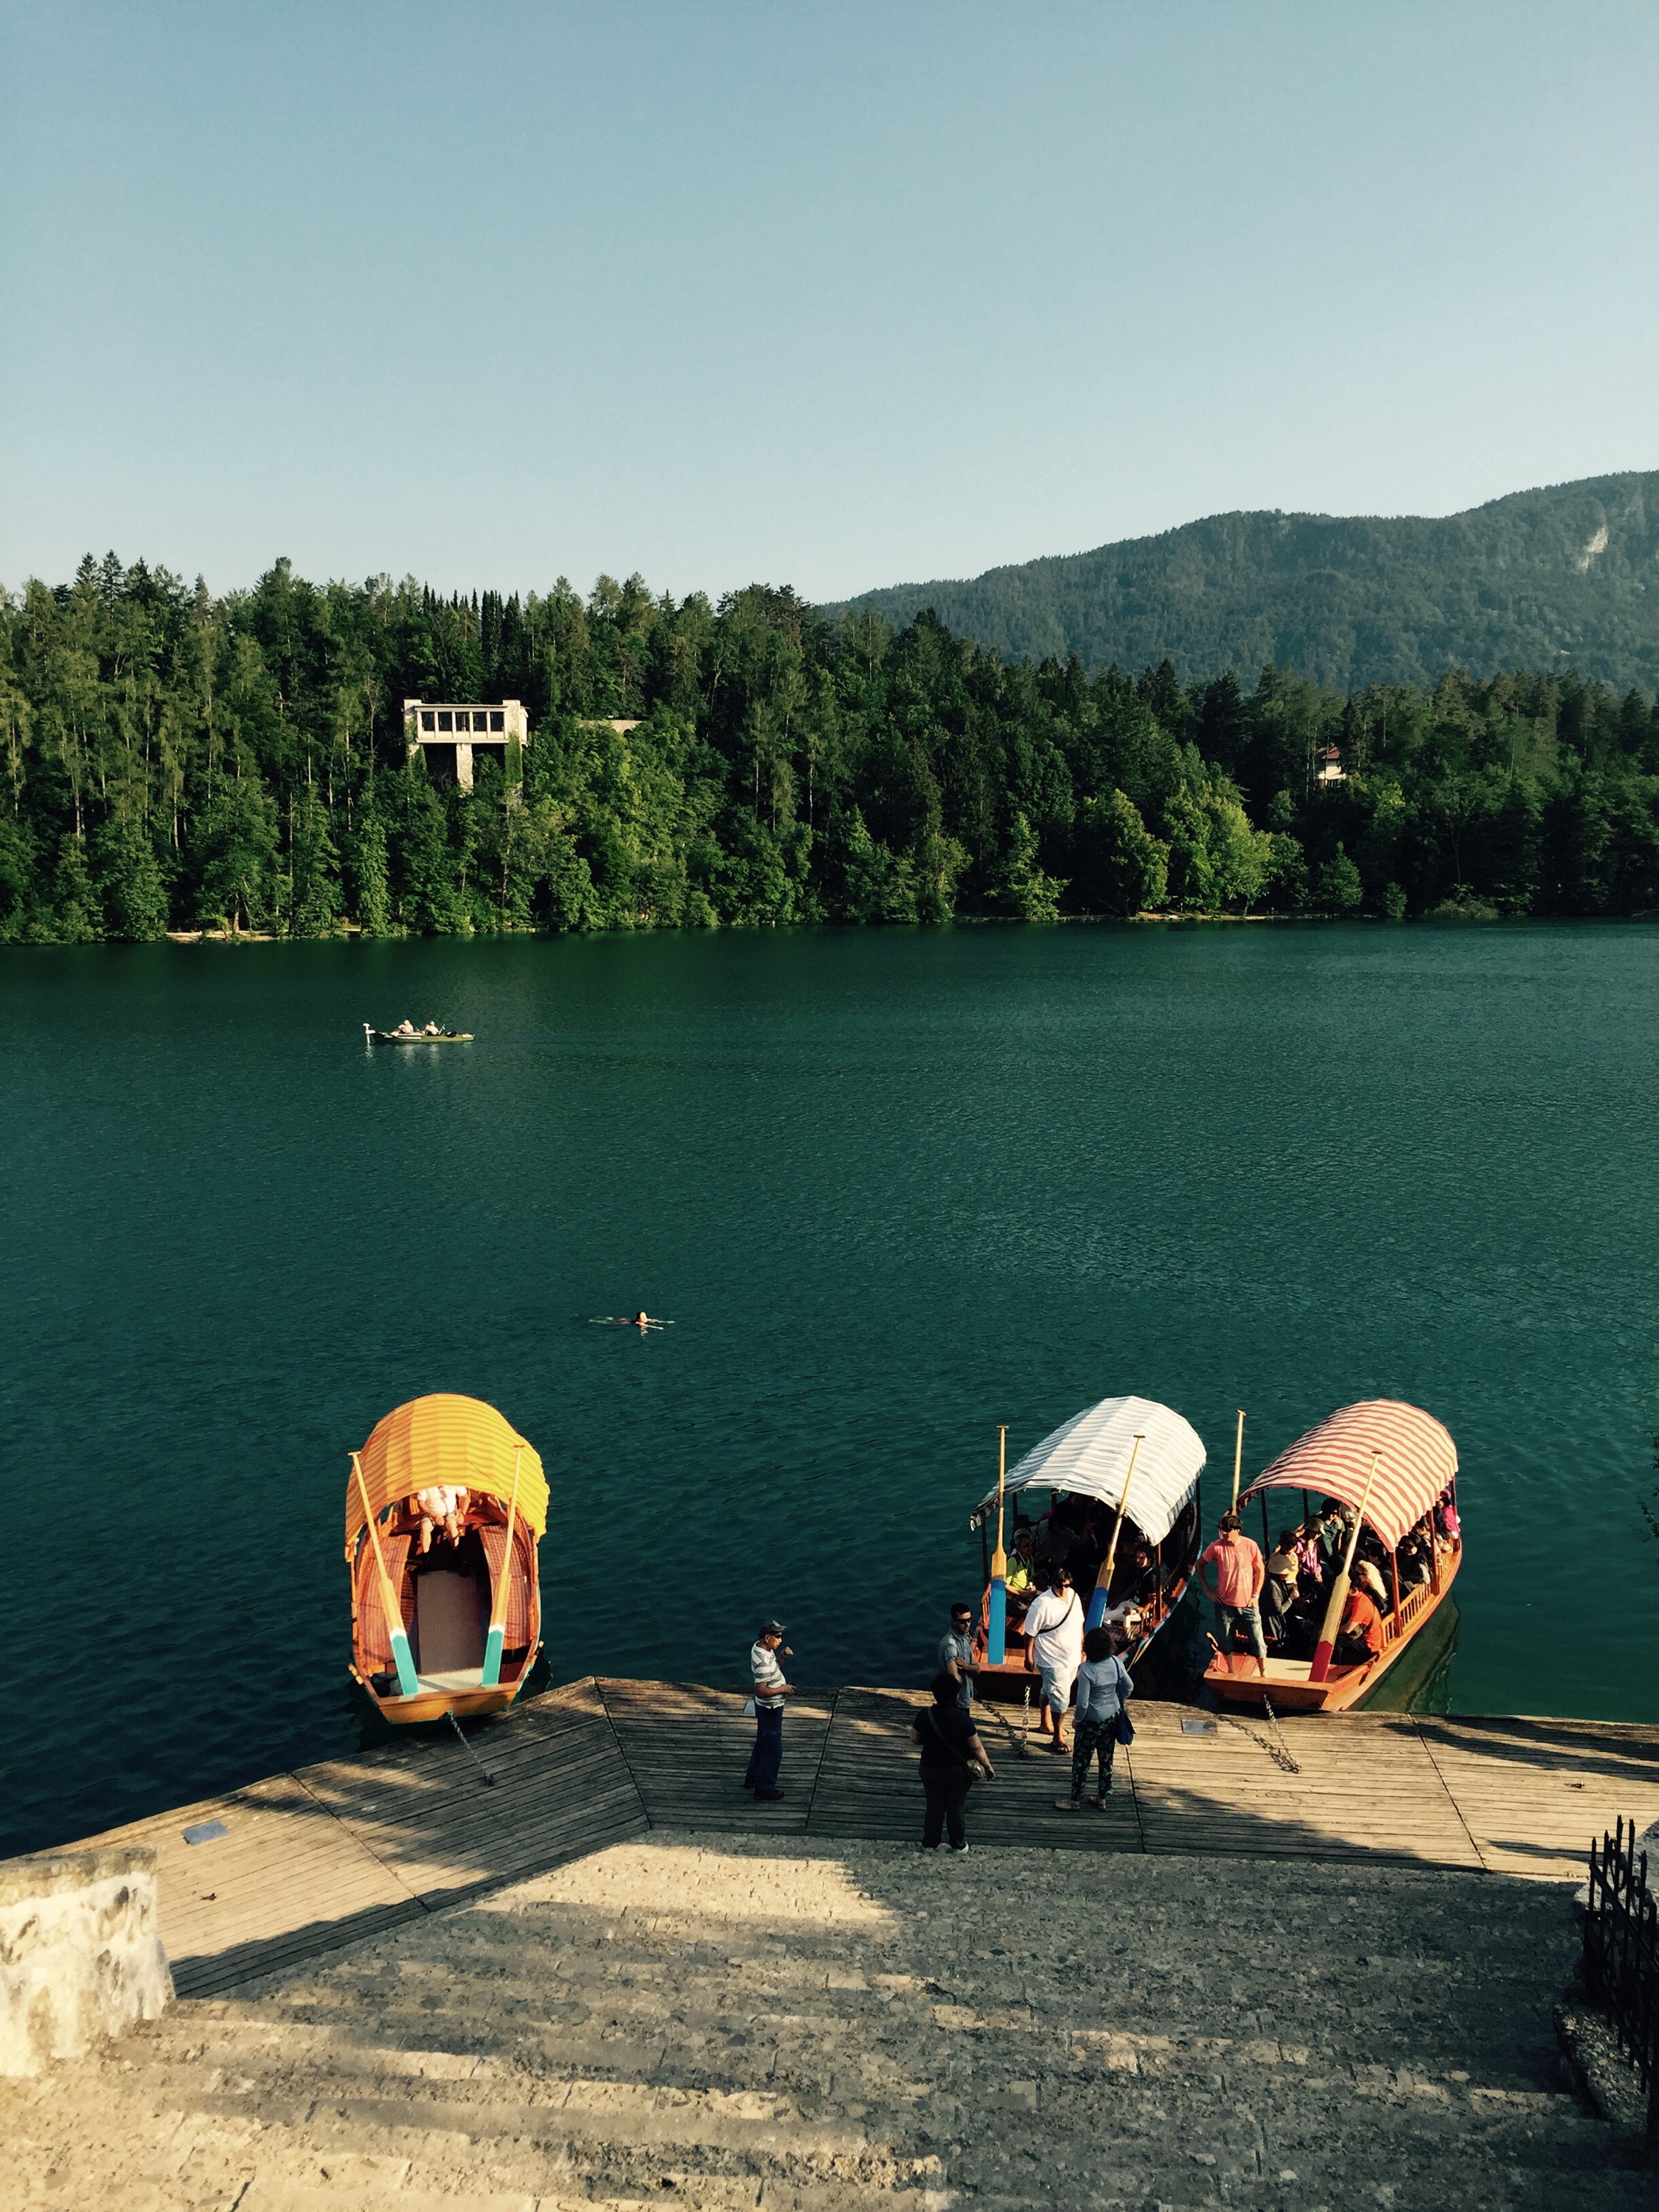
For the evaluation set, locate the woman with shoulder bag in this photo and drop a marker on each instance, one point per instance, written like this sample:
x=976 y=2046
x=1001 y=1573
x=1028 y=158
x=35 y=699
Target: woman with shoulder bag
x=1105 y=1687
x=951 y=1755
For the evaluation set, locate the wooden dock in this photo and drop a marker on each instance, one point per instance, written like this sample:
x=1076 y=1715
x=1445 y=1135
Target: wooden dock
x=313 y=1860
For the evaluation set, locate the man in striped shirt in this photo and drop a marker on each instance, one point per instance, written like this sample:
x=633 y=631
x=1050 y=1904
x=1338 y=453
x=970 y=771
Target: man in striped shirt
x=770 y=1690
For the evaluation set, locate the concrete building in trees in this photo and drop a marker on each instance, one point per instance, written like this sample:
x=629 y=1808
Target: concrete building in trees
x=455 y=737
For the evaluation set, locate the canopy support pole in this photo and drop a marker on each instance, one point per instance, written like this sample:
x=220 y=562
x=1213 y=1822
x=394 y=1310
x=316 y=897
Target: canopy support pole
x=1238 y=1459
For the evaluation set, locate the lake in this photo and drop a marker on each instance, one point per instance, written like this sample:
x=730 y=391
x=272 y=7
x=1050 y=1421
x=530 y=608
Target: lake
x=891 y=1188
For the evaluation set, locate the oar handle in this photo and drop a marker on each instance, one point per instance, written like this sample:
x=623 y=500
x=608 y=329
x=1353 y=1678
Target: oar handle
x=498 y=1608
x=1103 y=1579
x=1331 y=1627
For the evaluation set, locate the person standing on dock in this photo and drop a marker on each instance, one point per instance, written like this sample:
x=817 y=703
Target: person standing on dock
x=766 y=1760
x=1239 y=1575
x=1053 y=1624
x=956 y=1650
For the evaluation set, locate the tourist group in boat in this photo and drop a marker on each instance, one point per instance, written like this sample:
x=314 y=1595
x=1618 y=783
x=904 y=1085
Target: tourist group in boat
x=1081 y=1586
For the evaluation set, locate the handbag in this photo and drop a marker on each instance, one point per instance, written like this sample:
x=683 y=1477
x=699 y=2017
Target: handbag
x=1125 y=1729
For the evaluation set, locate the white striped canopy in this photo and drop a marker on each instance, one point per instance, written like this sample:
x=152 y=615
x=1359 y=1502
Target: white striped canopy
x=1416 y=1459
x=1089 y=1454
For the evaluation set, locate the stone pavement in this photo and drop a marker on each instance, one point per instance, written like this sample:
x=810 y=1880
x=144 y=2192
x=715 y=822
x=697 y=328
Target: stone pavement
x=805 y=2026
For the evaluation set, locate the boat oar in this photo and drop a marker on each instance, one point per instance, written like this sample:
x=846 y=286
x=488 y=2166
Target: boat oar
x=403 y=1658
x=1102 y=1591
x=492 y=1665
x=1238 y=1458
x=1332 y=1623
x=996 y=1624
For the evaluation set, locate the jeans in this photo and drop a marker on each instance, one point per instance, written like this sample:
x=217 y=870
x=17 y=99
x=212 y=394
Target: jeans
x=1226 y=1615
x=947 y=1791
x=1089 y=1739
x=766 y=1757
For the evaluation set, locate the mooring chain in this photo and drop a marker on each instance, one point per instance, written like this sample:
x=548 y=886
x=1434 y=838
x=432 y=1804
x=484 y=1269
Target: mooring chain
x=1279 y=1751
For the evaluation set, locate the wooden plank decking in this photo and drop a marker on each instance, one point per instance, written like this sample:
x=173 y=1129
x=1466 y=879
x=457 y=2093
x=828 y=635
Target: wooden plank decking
x=316 y=1859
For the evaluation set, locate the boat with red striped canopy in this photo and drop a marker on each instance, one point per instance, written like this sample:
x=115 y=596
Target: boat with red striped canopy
x=1387 y=1475
x=445 y=1506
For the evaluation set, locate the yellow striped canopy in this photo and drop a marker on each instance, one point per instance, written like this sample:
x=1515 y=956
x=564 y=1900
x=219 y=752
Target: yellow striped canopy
x=444 y=1440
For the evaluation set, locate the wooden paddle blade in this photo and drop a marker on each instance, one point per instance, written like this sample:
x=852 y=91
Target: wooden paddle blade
x=996 y=1632
x=492 y=1659
x=403 y=1659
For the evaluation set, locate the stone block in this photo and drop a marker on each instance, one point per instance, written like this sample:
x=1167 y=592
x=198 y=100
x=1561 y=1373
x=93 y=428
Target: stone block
x=80 y=1955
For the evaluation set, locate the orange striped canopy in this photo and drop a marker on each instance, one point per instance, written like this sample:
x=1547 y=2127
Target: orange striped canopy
x=440 y=1441
x=1416 y=1459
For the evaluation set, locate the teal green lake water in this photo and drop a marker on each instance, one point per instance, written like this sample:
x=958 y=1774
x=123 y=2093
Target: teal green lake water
x=892 y=1187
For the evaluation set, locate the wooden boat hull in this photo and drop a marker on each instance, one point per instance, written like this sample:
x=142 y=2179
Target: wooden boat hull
x=466 y=1702
x=1237 y=1679
x=452 y=1682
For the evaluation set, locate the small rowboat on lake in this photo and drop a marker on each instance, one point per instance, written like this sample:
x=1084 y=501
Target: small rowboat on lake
x=1392 y=1464
x=1122 y=1480
x=445 y=1506
x=416 y=1036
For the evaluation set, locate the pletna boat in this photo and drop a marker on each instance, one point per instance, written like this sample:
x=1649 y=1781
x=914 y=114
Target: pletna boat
x=1396 y=1467
x=1123 y=1479
x=416 y=1036
x=445 y=1506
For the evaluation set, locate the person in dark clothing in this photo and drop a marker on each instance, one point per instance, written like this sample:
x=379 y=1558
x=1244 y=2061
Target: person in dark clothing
x=951 y=1755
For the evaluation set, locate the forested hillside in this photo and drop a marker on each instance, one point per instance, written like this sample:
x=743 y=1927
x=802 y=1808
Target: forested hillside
x=175 y=761
x=1563 y=578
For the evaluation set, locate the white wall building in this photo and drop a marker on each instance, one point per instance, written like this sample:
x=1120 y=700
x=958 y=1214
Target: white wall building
x=454 y=738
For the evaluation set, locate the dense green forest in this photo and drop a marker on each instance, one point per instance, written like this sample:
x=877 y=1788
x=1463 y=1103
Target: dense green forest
x=175 y=761
x=1566 y=577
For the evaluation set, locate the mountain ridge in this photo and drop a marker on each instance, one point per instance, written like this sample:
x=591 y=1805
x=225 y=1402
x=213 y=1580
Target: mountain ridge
x=1562 y=576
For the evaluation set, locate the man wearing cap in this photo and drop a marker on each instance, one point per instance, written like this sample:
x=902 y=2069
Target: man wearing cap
x=770 y=1690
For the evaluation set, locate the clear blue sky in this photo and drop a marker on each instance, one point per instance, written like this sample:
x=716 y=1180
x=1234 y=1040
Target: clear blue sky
x=836 y=295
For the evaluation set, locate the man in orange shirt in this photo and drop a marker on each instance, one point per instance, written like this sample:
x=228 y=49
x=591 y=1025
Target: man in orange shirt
x=1360 y=1637
x=1239 y=1575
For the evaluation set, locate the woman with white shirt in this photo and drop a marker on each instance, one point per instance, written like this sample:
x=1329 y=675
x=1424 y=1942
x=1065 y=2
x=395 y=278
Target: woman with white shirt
x=1053 y=1623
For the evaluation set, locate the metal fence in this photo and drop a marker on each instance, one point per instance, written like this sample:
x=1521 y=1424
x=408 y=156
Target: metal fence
x=1621 y=1955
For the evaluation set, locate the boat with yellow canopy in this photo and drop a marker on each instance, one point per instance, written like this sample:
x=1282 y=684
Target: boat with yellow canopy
x=445 y=1506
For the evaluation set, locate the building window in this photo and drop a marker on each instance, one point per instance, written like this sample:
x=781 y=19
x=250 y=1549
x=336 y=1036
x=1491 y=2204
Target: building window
x=427 y=720
x=481 y=720
x=445 y=722
x=497 y=720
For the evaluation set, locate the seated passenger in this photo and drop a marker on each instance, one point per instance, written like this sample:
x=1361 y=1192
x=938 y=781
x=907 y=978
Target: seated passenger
x=1309 y=1559
x=442 y=1505
x=1445 y=1516
x=1279 y=1592
x=1360 y=1637
x=1022 y=1568
x=1368 y=1576
x=1415 y=1566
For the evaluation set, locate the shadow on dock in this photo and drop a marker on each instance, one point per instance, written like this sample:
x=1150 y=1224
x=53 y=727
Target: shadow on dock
x=316 y=1859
